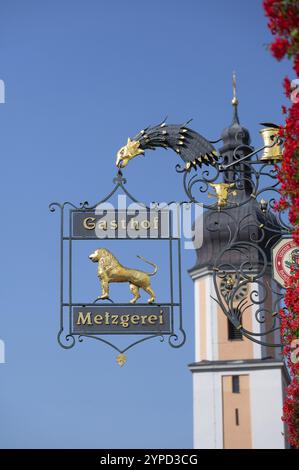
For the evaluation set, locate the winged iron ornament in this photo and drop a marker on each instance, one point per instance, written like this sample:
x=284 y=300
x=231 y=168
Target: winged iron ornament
x=194 y=149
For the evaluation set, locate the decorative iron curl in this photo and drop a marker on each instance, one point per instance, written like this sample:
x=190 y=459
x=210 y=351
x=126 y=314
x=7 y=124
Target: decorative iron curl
x=66 y=341
x=175 y=341
x=247 y=273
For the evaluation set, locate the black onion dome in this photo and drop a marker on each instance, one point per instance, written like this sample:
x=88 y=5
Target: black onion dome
x=234 y=135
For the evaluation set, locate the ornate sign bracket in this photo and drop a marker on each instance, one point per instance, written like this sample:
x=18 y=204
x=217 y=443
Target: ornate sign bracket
x=240 y=225
x=243 y=218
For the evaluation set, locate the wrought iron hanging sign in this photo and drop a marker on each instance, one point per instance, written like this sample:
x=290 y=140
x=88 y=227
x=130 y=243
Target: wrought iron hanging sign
x=101 y=317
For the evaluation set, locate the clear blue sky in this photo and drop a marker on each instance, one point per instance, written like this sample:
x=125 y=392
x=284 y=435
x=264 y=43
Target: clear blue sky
x=81 y=76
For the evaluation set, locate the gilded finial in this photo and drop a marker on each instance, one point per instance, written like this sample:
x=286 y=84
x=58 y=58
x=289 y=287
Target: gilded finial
x=121 y=359
x=235 y=101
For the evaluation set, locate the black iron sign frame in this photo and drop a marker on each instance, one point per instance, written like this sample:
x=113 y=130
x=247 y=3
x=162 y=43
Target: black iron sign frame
x=100 y=319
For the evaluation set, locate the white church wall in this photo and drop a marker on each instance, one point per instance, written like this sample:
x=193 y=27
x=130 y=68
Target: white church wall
x=207 y=410
x=266 y=409
x=206 y=326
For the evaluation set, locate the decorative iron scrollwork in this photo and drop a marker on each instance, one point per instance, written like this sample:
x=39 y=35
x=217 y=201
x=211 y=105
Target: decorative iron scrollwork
x=255 y=181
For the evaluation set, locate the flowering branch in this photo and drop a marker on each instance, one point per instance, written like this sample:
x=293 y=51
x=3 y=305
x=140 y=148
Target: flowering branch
x=283 y=22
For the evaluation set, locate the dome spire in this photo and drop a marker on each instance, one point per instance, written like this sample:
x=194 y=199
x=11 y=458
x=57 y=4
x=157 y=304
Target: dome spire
x=233 y=137
x=235 y=101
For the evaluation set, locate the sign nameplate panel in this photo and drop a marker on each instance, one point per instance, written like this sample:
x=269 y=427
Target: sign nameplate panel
x=101 y=319
x=140 y=223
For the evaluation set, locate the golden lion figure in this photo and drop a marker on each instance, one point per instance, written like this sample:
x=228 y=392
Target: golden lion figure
x=110 y=270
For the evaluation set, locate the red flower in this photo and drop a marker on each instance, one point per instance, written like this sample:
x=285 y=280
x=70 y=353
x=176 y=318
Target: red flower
x=291 y=412
x=287 y=86
x=279 y=48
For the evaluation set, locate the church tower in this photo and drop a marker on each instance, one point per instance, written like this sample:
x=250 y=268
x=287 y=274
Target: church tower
x=238 y=384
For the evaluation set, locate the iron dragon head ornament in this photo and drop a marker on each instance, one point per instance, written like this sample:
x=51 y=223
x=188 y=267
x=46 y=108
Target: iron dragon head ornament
x=192 y=147
x=127 y=152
